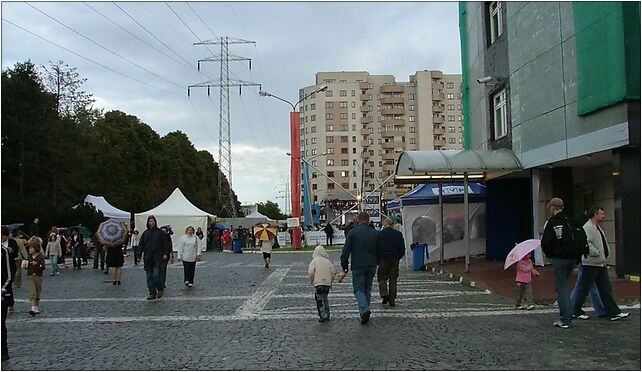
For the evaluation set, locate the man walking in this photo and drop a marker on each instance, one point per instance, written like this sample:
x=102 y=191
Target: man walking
x=153 y=245
x=557 y=244
x=364 y=246
x=595 y=270
x=167 y=253
x=394 y=249
x=329 y=234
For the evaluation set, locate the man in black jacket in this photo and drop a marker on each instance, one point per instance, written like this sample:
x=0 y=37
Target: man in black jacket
x=167 y=253
x=394 y=249
x=154 y=246
x=557 y=245
x=329 y=234
x=364 y=245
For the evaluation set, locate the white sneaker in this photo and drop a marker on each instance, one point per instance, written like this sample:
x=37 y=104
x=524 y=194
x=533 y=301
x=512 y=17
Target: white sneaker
x=530 y=307
x=186 y=283
x=560 y=324
x=190 y=284
x=620 y=316
x=581 y=316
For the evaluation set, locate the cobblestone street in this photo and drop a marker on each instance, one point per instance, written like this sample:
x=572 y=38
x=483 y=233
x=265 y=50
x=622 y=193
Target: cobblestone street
x=240 y=315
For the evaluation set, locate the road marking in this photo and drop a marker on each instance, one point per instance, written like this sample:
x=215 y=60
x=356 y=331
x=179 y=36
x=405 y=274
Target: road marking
x=308 y=315
x=263 y=294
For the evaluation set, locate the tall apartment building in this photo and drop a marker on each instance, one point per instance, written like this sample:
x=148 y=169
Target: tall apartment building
x=354 y=131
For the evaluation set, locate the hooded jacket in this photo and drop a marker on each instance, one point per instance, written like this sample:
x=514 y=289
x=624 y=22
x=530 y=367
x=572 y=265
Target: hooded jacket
x=152 y=244
x=320 y=269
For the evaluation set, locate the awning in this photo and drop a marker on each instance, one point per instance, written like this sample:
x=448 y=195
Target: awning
x=422 y=166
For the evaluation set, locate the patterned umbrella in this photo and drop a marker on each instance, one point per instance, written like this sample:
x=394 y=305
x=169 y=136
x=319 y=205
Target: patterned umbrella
x=265 y=232
x=520 y=250
x=112 y=233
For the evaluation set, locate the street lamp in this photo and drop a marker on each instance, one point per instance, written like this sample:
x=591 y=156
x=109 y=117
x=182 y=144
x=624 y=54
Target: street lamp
x=295 y=160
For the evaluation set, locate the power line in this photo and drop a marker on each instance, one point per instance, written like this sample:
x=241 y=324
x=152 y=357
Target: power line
x=91 y=60
x=105 y=48
x=201 y=19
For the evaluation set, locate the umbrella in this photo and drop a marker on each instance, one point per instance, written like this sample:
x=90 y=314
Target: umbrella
x=521 y=250
x=265 y=232
x=219 y=226
x=111 y=233
x=13 y=226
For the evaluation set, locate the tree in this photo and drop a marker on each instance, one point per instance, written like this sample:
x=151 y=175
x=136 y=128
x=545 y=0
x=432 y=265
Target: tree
x=65 y=84
x=271 y=210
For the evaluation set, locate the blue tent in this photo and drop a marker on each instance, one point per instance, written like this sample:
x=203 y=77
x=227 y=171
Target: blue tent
x=428 y=193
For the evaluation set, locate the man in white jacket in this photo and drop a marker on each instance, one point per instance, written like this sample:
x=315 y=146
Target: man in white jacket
x=595 y=268
x=321 y=273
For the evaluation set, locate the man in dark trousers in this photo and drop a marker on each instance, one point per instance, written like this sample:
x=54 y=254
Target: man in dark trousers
x=364 y=246
x=329 y=234
x=153 y=245
x=167 y=253
x=394 y=249
x=8 y=272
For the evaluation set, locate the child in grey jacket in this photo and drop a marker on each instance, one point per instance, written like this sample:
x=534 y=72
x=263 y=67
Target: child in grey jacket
x=321 y=273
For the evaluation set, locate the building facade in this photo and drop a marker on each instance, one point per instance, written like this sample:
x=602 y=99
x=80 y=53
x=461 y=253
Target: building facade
x=558 y=83
x=352 y=134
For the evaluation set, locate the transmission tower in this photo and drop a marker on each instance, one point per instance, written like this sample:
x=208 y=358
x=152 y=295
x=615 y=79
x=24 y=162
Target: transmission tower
x=224 y=138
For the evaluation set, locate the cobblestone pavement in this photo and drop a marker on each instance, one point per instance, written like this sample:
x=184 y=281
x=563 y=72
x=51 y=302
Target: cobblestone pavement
x=240 y=315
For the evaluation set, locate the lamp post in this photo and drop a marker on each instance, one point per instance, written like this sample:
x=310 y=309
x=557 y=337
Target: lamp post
x=295 y=160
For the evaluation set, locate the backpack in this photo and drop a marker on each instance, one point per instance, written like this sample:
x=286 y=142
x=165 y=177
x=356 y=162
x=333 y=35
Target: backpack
x=576 y=237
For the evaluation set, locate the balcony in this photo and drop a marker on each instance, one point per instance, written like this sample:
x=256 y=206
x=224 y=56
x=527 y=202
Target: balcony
x=365 y=109
x=395 y=122
x=390 y=156
x=365 y=97
x=437 y=85
x=392 y=145
x=393 y=133
x=438 y=97
x=365 y=120
x=364 y=86
x=438 y=119
x=439 y=142
x=392 y=111
x=438 y=130
x=391 y=89
x=364 y=132
x=436 y=74
x=438 y=107
x=365 y=143
x=391 y=100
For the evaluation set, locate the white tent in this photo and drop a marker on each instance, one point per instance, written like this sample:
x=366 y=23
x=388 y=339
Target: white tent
x=259 y=215
x=108 y=210
x=178 y=212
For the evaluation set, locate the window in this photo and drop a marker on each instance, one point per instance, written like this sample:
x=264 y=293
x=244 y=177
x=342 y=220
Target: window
x=328 y=93
x=344 y=150
x=344 y=127
x=371 y=152
x=354 y=185
x=354 y=150
x=313 y=106
x=460 y=140
x=450 y=96
x=451 y=140
x=411 y=96
x=314 y=152
x=330 y=174
x=313 y=129
x=500 y=118
x=354 y=104
x=354 y=138
x=313 y=118
x=329 y=151
x=343 y=93
x=352 y=93
x=345 y=185
x=411 y=107
x=495 y=16
x=450 y=85
x=411 y=118
x=328 y=116
x=343 y=104
x=314 y=163
x=314 y=186
x=451 y=129
x=354 y=127
x=459 y=117
x=344 y=138
x=461 y=129
x=412 y=141
x=344 y=115
x=354 y=115
x=328 y=104
x=330 y=186
x=329 y=162
x=313 y=141
x=458 y=107
x=344 y=162
x=411 y=129
x=370 y=85
x=450 y=107
x=329 y=128
x=329 y=139
x=451 y=117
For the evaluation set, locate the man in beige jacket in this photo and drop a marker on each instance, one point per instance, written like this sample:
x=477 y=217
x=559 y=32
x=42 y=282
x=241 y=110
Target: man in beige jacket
x=595 y=268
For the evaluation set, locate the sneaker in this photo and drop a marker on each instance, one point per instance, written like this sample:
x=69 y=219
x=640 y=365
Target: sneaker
x=366 y=317
x=190 y=285
x=520 y=307
x=581 y=316
x=186 y=283
x=561 y=325
x=32 y=313
x=620 y=316
x=159 y=294
x=151 y=297
x=530 y=307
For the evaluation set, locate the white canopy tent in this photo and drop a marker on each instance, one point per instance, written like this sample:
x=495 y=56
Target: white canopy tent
x=178 y=212
x=107 y=209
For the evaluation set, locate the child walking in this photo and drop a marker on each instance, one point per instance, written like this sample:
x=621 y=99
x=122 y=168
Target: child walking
x=35 y=266
x=525 y=271
x=53 y=252
x=321 y=273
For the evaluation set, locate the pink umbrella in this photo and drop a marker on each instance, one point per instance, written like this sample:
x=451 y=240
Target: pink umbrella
x=521 y=250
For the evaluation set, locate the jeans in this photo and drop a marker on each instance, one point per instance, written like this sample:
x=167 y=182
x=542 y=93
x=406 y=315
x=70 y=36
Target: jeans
x=188 y=270
x=600 y=277
x=388 y=271
x=598 y=307
x=328 y=239
x=100 y=255
x=54 y=264
x=362 y=286
x=562 y=269
x=154 y=283
x=321 y=297
x=163 y=274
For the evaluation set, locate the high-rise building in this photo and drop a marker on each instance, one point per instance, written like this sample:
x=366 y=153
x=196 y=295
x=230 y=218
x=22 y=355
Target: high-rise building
x=352 y=133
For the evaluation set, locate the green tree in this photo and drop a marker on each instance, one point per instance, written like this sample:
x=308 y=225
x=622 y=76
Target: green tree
x=65 y=84
x=271 y=210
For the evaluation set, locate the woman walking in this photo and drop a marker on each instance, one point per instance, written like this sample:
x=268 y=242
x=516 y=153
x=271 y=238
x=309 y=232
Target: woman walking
x=53 y=252
x=189 y=251
x=266 y=249
x=133 y=241
x=35 y=265
x=76 y=242
x=115 y=260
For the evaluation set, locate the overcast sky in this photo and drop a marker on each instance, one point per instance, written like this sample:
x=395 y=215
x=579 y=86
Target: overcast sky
x=294 y=40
